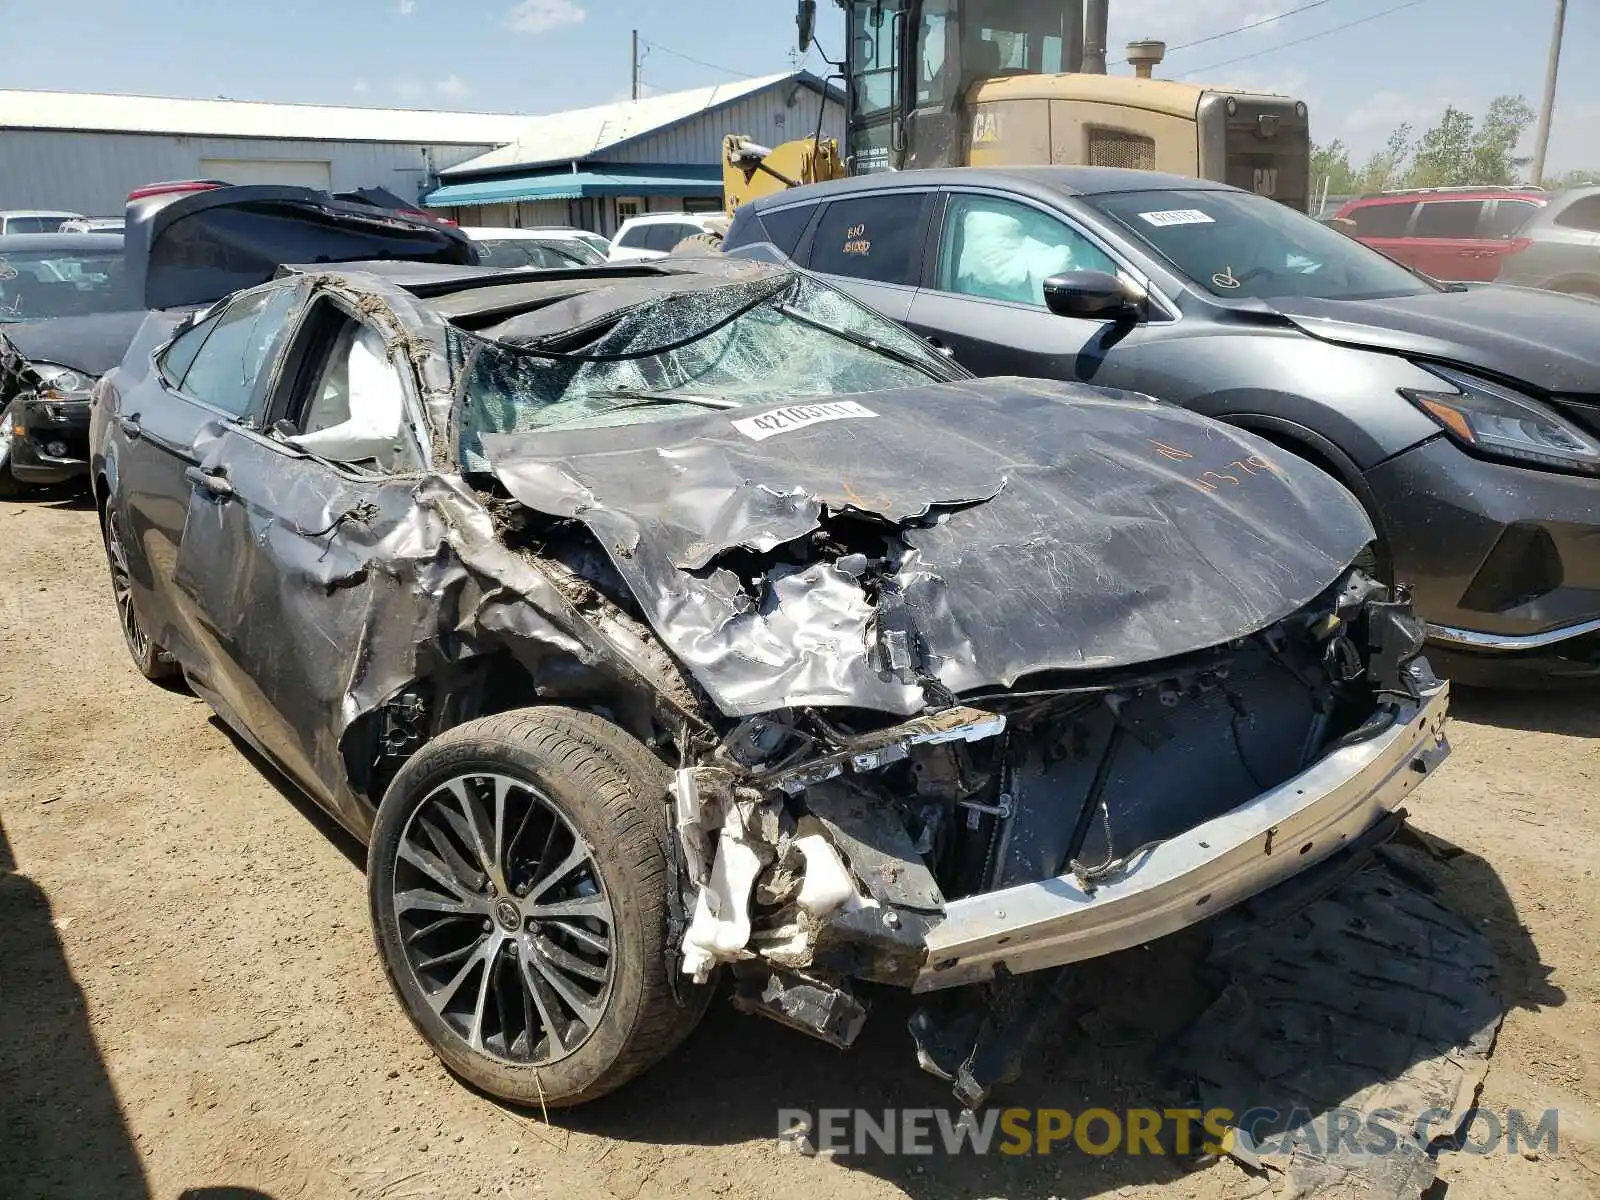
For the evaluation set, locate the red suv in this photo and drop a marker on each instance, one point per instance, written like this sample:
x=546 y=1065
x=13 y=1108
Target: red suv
x=1448 y=233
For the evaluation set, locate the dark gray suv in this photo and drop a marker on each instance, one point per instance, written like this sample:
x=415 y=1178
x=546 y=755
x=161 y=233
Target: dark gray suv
x=1465 y=418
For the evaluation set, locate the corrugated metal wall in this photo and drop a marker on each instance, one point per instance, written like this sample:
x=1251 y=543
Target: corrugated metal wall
x=778 y=114
x=93 y=172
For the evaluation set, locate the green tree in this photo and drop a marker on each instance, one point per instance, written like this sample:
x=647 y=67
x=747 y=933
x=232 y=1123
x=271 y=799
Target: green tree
x=1494 y=147
x=1387 y=168
x=1332 y=163
x=1445 y=153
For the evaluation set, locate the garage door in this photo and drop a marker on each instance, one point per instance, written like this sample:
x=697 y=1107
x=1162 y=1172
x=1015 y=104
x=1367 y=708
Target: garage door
x=296 y=172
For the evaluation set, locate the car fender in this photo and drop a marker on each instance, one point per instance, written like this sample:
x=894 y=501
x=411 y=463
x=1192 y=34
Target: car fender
x=1348 y=397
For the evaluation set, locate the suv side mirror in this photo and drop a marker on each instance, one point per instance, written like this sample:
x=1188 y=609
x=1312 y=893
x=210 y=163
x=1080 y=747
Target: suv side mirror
x=806 y=19
x=1092 y=296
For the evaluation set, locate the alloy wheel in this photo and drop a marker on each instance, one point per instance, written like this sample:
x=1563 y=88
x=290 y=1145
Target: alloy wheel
x=504 y=919
x=122 y=590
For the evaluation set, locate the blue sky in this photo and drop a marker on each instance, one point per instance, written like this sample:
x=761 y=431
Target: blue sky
x=545 y=55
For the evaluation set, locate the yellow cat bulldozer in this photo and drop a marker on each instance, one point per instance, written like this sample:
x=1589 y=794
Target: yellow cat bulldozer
x=952 y=83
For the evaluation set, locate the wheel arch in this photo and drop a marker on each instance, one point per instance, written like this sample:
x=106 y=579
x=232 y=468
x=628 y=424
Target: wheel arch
x=488 y=685
x=1325 y=456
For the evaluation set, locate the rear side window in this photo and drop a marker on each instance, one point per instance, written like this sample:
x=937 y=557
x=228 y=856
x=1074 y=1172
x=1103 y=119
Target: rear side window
x=634 y=238
x=1582 y=214
x=1508 y=217
x=1449 y=219
x=787 y=226
x=1381 y=220
x=878 y=238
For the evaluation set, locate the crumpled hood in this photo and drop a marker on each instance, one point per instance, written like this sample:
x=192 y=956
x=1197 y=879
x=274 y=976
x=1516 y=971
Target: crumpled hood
x=1028 y=526
x=1544 y=339
x=90 y=344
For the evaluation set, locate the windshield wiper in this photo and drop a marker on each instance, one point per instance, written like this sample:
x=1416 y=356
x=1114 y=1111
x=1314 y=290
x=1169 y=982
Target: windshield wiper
x=639 y=399
x=858 y=339
x=645 y=399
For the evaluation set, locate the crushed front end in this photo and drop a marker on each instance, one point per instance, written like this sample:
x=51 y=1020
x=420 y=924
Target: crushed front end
x=1051 y=823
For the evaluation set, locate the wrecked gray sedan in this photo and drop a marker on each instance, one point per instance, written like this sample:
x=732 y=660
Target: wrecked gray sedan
x=656 y=620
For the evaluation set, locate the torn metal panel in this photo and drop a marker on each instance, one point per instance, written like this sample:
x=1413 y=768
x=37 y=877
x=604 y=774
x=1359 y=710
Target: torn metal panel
x=1022 y=527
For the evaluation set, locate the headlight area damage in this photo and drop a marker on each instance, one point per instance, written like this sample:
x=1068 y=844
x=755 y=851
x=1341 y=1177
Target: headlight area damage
x=987 y=683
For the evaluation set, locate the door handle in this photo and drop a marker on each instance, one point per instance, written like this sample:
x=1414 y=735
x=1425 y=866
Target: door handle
x=131 y=429
x=212 y=482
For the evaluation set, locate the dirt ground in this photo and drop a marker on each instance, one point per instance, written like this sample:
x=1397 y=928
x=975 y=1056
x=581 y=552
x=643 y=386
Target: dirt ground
x=191 y=1005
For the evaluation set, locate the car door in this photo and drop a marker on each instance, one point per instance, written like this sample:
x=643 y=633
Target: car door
x=199 y=382
x=278 y=555
x=1503 y=221
x=986 y=300
x=1449 y=242
x=870 y=245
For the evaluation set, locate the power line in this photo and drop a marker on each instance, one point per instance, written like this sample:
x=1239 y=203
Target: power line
x=698 y=62
x=1227 y=33
x=1309 y=38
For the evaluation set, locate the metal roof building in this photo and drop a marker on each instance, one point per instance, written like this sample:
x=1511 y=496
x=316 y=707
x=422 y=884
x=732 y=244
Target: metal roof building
x=84 y=152
x=595 y=167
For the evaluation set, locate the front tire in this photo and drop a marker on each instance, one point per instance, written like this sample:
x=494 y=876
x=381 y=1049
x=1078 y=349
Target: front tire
x=518 y=883
x=149 y=659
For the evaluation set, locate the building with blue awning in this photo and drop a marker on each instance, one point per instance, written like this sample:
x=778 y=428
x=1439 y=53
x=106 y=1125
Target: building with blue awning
x=594 y=168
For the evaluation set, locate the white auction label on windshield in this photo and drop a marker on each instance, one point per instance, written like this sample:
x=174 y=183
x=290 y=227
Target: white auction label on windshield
x=1177 y=216
x=798 y=416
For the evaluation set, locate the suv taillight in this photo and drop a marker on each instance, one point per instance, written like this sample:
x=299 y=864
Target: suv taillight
x=170 y=189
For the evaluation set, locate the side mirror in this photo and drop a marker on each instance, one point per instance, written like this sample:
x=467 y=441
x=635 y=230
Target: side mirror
x=1092 y=296
x=806 y=19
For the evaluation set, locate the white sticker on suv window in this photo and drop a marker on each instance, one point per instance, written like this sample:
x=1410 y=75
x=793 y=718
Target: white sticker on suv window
x=1177 y=216
x=798 y=416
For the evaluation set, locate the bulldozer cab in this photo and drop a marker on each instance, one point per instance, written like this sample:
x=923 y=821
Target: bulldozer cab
x=941 y=83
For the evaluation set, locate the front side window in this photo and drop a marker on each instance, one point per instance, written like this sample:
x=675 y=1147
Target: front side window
x=1449 y=219
x=876 y=238
x=228 y=365
x=999 y=249
x=1239 y=246
x=635 y=237
x=354 y=411
x=789 y=339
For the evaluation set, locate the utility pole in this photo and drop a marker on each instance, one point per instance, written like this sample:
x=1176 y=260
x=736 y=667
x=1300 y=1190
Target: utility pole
x=1541 y=143
x=635 y=62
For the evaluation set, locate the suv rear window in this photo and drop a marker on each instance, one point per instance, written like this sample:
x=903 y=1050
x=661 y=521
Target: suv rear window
x=1449 y=219
x=1381 y=220
x=1509 y=216
x=871 y=237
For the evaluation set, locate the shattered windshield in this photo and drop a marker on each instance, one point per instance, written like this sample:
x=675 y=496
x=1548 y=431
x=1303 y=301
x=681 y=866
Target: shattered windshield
x=735 y=346
x=62 y=283
x=1239 y=246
